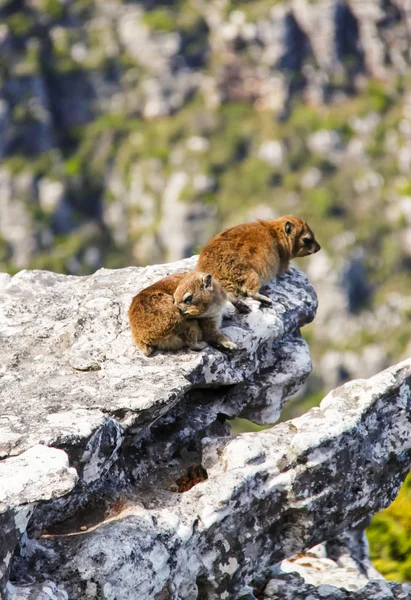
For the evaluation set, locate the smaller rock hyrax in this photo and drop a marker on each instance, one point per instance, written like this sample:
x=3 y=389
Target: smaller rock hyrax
x=184 y=309
x=246 y=257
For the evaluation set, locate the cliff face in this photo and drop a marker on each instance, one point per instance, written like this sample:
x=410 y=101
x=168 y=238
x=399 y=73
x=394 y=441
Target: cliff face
x=82 y=83
x=131 y=132
x=160 y=500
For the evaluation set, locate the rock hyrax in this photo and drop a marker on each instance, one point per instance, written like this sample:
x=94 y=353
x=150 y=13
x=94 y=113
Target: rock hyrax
x=246 y=257
x=165 y=315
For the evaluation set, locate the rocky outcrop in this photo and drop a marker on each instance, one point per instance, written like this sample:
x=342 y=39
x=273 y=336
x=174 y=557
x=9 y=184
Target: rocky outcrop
x=168 y=504
x=71 y=378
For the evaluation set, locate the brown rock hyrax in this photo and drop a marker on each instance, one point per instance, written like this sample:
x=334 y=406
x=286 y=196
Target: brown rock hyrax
x=246 y=257
x=165 y=315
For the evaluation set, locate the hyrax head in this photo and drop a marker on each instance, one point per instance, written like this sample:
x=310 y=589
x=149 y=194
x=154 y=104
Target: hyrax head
x=301 y=240
x=197 y=295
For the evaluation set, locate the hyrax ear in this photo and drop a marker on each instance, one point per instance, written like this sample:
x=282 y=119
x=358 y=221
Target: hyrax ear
x=288 y=227
x=208 y=281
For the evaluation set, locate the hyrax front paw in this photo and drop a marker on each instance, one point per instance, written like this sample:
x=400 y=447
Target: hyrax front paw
x=260 y=298
x=147 y=350
x=227 y=344
x=242 y=307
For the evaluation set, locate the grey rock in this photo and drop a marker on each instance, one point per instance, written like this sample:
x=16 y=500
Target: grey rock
x=167 y=503
x=113 y=60
x=17 y=226
x=72 y=378
x=4 y=124
x=45 y=591
x=341 y=562
x=183 y=224
x=368 y=15
x=292 y=587
x=266 y=497
x=318 y=23
x=325 y=143
x=38 y=474
x=67 y=333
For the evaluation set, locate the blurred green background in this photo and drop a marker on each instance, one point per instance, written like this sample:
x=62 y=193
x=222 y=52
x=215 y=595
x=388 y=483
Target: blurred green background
x=130 y=132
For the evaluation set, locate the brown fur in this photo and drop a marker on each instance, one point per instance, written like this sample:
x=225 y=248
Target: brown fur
x=164 y=315
x=246 y=257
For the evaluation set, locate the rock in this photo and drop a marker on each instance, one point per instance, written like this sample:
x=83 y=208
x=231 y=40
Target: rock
x=272 y=153
x=38 y=474
x=167 y=502
x=325 y=143
x=50 y=194
x=368 y=15
x=340 y=562
x=318 y=23
x=311 y=178
x=45 y=591
x=72 y=335
x=261 y=497
x=83 y=340
x=4 y=123
x=105 y=71
x=17 y=226
x=292 y=587
x=337 y=366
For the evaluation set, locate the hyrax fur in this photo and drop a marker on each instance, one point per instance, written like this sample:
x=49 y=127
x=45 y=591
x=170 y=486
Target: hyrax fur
x=246 y=257
x=165 y=315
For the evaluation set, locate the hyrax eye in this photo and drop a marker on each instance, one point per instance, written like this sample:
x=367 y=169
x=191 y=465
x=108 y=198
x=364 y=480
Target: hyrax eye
x=307 y=241
x=188 y=299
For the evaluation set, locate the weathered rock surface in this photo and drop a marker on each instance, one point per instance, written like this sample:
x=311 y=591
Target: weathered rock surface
x=70 y=377
x=267 y=496
x=168 y=504
x=40 y=473
x=293 y=587
x=341 y=562
x=69 y=367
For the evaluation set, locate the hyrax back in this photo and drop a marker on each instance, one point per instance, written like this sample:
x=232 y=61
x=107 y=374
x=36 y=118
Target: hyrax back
x=164 y=315
x=246 y=257
x=154 y=317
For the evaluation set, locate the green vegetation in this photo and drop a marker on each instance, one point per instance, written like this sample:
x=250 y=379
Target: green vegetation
x=253 y=11
x=20 y=23
x=389 y=536
x=160 y=19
